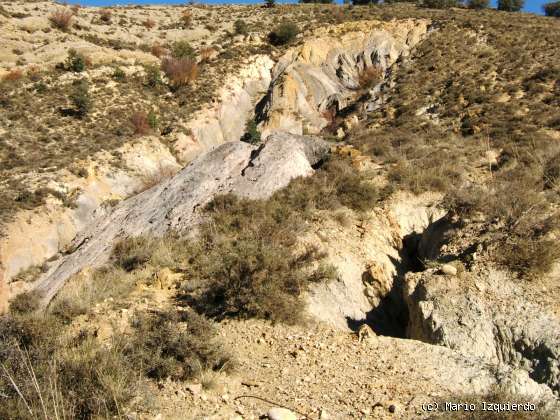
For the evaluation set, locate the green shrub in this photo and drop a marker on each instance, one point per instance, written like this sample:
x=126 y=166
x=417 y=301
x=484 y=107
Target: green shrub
x=270 y=3
x=240 y=27
x=283 y=33
x=252 y=134
x=75 y=61
x=153 y=76
x=552 y=9
x=182 y=49
x=364 y=2
x=153 y=120
x=80 y=97
x=510 y=5
x=119 y=74
x=247 y=265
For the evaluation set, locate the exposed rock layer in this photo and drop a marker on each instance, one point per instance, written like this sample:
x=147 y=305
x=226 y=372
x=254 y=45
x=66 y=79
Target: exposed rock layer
x=248 y=171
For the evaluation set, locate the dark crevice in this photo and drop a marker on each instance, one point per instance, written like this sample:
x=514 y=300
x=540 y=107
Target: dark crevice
x=254 y=154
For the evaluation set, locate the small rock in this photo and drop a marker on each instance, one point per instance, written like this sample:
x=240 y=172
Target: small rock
x=278 y=413
x=393 y=407
x=448 y=270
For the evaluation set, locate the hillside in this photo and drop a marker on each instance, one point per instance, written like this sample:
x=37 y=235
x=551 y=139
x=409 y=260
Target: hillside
x=201 y=207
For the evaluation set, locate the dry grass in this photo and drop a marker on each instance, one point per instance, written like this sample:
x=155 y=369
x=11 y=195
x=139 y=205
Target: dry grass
x=180 y=71
x=13 y=75
x=62 y=19
x=139 y=122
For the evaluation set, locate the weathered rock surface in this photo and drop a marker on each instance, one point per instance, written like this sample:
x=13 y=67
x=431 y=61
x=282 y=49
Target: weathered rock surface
x=248 y=171
x=367 y=255
x=324 y=72
x=488 y=316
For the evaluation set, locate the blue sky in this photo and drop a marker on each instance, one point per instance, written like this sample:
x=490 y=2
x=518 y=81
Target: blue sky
x=533 y=6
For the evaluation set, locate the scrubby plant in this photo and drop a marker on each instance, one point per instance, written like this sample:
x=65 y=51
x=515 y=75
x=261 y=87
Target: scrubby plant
x=182 y=49
x=270 y=3
x=510 y=5
x=370 y=76
x=177 y=345
x=186 y=18
x=75 y=61
x=62 y=19
x=240 y=27
x=81 y=98
x=119 y=74
x=149 y=23
x=552 y=9
x=283 y=33
x=252 y=134
x=13 y=75
x=180 y=71
x=153 y=76
x=158 y=50
x=105 y=15
x=363 y=2
x=139 y=122
x=25 y=302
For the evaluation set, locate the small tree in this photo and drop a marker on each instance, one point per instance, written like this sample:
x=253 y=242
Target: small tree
x=552 y=9
x=477 y=4
x=80 y=97
x=363 y=2
x=510 y=5
x=270 y=3
x=283 y=33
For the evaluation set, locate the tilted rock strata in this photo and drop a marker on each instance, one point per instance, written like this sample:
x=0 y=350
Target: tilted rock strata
x=236 y=167
x=324 y=72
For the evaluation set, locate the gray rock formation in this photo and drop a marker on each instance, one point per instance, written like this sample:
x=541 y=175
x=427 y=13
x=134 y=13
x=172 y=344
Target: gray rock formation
x=236 y=167
x=486 y=316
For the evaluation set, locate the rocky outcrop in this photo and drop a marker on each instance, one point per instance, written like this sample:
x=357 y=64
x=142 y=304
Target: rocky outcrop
x=368 y=255
x=487 y=316
x=323 y=74
x=226 y=118
x=175 y=204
